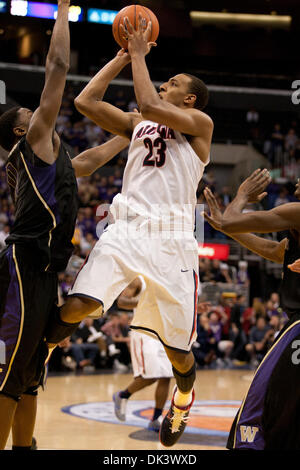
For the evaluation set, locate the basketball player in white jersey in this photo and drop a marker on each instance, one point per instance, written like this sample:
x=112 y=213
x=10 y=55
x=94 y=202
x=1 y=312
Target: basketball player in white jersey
x=149 y=362
x=170 y=147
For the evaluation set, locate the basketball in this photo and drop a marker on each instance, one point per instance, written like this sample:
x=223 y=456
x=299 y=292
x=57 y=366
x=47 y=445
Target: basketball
x=132 y=12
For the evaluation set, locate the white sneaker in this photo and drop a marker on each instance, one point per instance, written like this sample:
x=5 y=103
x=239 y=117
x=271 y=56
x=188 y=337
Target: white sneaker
x=120 y=405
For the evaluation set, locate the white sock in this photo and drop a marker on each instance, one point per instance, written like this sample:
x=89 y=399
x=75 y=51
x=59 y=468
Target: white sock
x=183 y=399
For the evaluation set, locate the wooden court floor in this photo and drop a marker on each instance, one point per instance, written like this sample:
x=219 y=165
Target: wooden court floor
x=219 y=393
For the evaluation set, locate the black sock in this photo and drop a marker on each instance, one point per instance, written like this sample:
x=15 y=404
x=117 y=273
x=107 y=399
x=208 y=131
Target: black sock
x=21 y=448
x=125 y=394
x=157 y=413
x=185 y=381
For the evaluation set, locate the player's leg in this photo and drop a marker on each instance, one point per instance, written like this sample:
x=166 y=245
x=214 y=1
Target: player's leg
x=24 y=422
x=97 y=285
x=269 y=416
x=66 y=319
x=8 y=408
x=120 y=398
x=184 y=370
x=161 y=396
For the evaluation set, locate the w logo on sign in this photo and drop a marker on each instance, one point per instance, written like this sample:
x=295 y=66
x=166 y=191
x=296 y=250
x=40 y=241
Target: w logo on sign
x=248 y=433
x=2 y=353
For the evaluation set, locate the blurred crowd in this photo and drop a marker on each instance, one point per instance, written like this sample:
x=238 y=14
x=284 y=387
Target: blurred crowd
x=281 y=143
x=235 y=334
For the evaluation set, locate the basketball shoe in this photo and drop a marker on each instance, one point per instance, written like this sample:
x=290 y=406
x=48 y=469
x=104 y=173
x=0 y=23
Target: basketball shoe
x=120 y=405
x=174 y=422
x=154 y=425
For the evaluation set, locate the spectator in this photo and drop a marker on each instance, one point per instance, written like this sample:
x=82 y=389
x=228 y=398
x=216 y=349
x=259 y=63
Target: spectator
x=225 y=196
x=274 y=298
x=283 y=197
x=252 y=116
x=66 y=285
x=3 y=235
x=277 y=141
x=224 y=275
x=239 y=340
x=87 y=243
x=237 y=310
x=114 y=331
x=85 y=348
x=242 y=274
x=291 y=140
x=203 y=348
x=258 y=341
x=251 y=313
x=252 y=119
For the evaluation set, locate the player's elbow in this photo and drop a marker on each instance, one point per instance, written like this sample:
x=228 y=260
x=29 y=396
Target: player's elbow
x=60 y=63
x=80 y=103
x=149 y=111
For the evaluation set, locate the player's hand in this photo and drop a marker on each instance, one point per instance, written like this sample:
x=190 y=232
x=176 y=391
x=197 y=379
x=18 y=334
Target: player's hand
x=138 y=41
x=252 y=189
x=215 y=218
x=295 y=267
x=124 y=56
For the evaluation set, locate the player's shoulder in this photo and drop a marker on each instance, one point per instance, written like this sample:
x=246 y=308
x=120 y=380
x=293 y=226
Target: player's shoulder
x=201 y=116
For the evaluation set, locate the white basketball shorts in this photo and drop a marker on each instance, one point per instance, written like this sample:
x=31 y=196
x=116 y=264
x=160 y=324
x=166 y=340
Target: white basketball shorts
x=170 y=269
x=148 y=357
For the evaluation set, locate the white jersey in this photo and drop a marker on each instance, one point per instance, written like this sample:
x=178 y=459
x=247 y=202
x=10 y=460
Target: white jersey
x=160 y=179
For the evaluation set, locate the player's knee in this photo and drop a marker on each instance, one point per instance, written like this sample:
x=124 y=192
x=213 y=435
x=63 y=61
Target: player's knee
x=180 y=360
x=77 y=308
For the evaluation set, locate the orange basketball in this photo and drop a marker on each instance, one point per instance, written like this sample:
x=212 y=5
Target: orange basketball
x=133 y=11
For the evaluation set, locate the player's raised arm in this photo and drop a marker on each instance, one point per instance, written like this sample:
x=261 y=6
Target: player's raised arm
x=89 y=161
x=181 y=114
x=90 y=101
x=285 y=217
x=268 y=249
x=42 y=125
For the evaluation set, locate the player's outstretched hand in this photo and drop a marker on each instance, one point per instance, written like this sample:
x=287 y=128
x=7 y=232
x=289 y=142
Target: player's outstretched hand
x=253 y=187
x=295 y=267
x=138 y=40
x=215 y=218
x=124 y=55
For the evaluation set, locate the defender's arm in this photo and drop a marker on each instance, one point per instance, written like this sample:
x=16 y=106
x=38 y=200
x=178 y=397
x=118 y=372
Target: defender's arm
x=42 y=124
x=89 y=161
